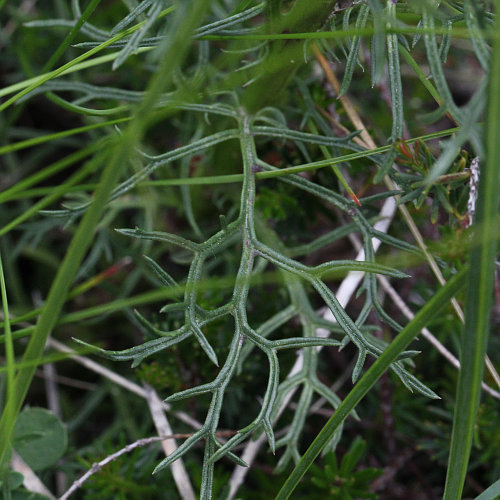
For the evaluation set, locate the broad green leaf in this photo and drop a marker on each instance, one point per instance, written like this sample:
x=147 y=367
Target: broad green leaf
x=39 y=437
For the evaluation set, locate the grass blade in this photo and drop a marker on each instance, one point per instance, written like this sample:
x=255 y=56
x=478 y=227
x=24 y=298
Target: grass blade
x=491 y=493
x=479 y=292
x=9 y=350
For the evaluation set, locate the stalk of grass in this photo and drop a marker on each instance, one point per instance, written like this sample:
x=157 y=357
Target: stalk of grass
x=56 y=297
x=456 y=32
x=21 y=186
x=81 y=63
x=59 y=191
x=390 y=354
x=58 y=53
x=35 y=141
x=71 y=35
x=9 y=344
x=69 y=68
x=55 y=194
x=421 y=75
x=490 y=493
x=479 y=291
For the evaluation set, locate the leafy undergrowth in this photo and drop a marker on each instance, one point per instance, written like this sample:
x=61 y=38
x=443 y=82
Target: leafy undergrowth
x=236 y=206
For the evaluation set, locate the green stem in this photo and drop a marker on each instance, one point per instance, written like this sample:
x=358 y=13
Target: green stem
x=33 y=83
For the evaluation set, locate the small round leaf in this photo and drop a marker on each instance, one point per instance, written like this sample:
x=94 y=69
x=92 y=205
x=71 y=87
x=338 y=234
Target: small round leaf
x=39 y=437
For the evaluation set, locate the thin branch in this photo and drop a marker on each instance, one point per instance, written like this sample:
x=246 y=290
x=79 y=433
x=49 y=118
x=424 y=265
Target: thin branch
x=96 y=467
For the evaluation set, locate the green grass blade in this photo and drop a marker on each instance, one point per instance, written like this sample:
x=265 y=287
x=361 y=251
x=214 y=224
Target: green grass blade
x=56 y=193
x=56 y=297
x=491 y=493
x=421 y=75
x=22 y=185
x=9 y=348
x=329 y=35
x=35 y=141
x=71 y=35
x=36 y=81
x=479 y=291
x=234 y=178
x=390 y=354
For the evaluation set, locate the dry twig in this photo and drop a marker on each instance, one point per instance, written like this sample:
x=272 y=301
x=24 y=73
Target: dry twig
x=96 y=467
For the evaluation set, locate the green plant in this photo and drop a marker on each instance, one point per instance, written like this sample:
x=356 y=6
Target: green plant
x=343 y=481
x=236 y=180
